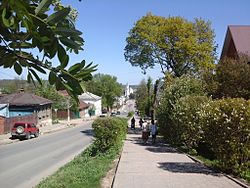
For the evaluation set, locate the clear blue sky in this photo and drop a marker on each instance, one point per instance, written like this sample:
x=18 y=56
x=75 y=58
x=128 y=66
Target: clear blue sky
x=105 y=25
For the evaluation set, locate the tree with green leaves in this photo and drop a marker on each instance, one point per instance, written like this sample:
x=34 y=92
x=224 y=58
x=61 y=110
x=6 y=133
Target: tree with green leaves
x=141 y=97
x=149 y=96
x=179 y=46
x=231 y=78
x=36 y=33
x=146 y=97
x=107 y=87
x=49 y=92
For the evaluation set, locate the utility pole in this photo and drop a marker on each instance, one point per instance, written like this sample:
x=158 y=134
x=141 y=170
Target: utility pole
x=68 y=110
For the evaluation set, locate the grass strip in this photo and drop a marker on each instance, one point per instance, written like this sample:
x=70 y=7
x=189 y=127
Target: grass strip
x=83 y=171
x=88 y=168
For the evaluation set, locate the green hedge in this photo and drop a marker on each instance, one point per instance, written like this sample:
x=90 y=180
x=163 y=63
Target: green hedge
x=226 y=126
x=186 y=118
x=109 y=132
x=221 y=125
x=219 y=129
x=175 y=89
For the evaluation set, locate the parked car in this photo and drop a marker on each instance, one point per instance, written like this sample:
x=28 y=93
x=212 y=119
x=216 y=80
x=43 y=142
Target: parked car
x=118 y=113
x=23 y=130
x=113 y=114
x=104 y=111
x=103 y=115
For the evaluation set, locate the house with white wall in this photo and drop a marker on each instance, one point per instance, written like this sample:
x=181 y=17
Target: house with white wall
x=93 y=100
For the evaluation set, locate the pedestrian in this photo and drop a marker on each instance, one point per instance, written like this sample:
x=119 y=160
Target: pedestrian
x=133 y=123
x=141 y=122
x=153 y=131
x=145 y=133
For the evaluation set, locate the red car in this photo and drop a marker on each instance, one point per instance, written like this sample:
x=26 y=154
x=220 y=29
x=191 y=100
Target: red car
x=24 y=130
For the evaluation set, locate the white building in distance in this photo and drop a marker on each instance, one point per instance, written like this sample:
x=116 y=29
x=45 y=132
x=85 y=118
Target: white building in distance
x=92 y=99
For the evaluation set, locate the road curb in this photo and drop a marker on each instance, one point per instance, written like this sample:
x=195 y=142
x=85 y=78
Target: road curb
x=116 y=168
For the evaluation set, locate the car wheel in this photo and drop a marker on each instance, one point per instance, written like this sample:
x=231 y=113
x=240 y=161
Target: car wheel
x=36 y=134
x=13 y=137
x=28 y=136
x=20 y=129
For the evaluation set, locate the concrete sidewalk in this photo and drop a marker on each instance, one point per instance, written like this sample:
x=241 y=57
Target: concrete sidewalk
x=160 y=166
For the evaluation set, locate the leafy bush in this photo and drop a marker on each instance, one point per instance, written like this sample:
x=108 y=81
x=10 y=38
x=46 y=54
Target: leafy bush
x=88 y=168
x=109 y=132
x=226 y=125
x=230 y=78
x=179 y=87
x=186 y=117
x=130 y=114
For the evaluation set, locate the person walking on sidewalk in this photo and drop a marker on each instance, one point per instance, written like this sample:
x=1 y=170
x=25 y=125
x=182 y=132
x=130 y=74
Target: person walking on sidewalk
x=153 y=131
x=145 y=133
x=141 y=122
x=133 y=123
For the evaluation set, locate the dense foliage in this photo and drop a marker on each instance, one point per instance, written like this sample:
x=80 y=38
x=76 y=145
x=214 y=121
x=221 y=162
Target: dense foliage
x=233 y=78
x=60 y=102
x=187 y=120
x=107 y=87
x=217 y=128
x=33 y=34
x=226 y=126
x=174 y=90
x=179 y=46
x=146 y=97
x=109 y=132
x=230 y=78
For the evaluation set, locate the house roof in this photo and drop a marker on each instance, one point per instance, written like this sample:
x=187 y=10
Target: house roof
x=83 y=105
x=89 y=96
x=238 y=37
x=24 y=99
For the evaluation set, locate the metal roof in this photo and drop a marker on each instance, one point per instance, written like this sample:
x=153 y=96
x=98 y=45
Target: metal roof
x=89 y=96
x=24 y=99
x=239 y=37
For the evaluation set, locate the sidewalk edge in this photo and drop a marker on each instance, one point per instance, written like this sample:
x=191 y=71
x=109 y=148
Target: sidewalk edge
x=113 y=181
x=239 y=182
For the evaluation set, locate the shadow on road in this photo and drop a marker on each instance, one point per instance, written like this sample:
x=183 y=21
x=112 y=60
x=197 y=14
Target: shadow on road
x=179 y=167
x=88 y=132
x=134 y=131
x=161 y=148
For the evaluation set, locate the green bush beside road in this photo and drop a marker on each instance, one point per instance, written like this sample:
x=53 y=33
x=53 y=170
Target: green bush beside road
x=109 y=132
x=215 y=128
x=130 y=114
x=226 y=126
x=166 y=113
x=88 y=168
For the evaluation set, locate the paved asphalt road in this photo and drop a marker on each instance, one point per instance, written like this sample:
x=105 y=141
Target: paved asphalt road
x=25 y=164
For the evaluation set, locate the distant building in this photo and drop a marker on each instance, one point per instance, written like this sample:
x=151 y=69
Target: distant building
x=81 y=112
x=237 y=41
x=94 y=101
x=129 y=89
